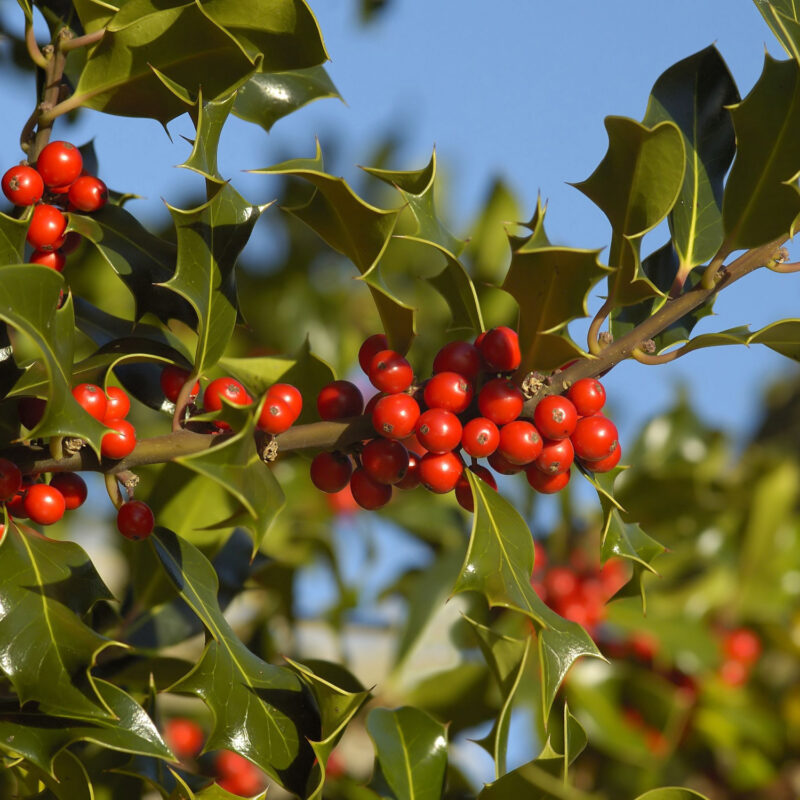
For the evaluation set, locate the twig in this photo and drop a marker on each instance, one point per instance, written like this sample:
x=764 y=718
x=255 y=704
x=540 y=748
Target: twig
x=87 y=40
x=34 y=52
x=182 y=401
x=593 y=335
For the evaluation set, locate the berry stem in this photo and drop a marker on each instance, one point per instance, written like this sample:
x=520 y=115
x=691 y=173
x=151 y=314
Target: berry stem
x=67 y=44
x=592 y=337
x=34 y=52
x=182 y=401
x=112 y=487
x=53 y=75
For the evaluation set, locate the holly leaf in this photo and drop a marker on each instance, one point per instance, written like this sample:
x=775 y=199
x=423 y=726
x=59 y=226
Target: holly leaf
x=211 y=117
x=506 y=657
x=270 y=96
x=260 y=711
x=499 y=565
x=783 y=18
x=694 y=94
x=738 y=335
x=40 y=737
x=762 y=201
x=411 y=748
x=145 y=41
x=672 y=793
x=550 y=285
x=69 y=781
x=210 y=239
x=782 y=336
x=12 y=238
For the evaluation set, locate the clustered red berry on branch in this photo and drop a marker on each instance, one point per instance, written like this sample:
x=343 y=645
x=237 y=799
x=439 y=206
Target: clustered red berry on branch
x=57 y=182
x=469 y=404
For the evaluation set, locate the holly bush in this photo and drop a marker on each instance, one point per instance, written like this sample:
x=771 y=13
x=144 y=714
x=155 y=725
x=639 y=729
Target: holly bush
x=248 y=631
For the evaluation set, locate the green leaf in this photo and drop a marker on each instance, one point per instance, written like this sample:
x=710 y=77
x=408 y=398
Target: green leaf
x=69 y=781
x=412 y=751
x=210 y=239
x=783 y=18
x=94 y=14
x=211 y=117
x=739 y=335
x=532 y=781
x=40 y=737
x=694 y=94
x=672 y=793
x=783 y=337
x=761 y=200
x=270 y=96
x=29 y=297
x=12 y=239
x=506 y=657
x=47 y=587
x=259 y=710
x=550 y=285
x=498 y=565
x=180 y=41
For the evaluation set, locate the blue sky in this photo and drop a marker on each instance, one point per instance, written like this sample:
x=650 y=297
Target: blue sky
x=511 y=88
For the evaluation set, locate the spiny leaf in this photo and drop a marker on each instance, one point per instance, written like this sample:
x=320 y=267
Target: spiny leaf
x=259 y=710
x=498 y=565
x=69 y=781
x=694 y=94
x=210 y=239
x=762 y=201
x=178 y=39
x=270 y=96
x=783 y=18
x=412 y=751
x=12 y=238
x=211 y=117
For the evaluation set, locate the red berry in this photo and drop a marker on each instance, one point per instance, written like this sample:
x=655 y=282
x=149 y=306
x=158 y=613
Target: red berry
x=184 y=737
x=464 y=490
x=439 y=431
x=370 y=406
x=275 y=417
x=480 y=437
x=734 y=673
x=92 y=399
x=594 y=438
x=742 y=645
x=10 y=479
x=587 y=395
x=22 y=185
x=555 y=417
x=59 y=164
x=120 y=442
x=46 y=231
x=16 y=505
x=227 y=388
x=367 y=492
x=54 y=259
x=371 y=347
x=500 y=349
x=339 y=400
x=118 y=404
x=385 y=460
x=520 y=442
x=172 y=380
x=44 y=504
x=330 y=472
x=395 y=416
x=501 y=401
x=448 y=390
x=88 y=193
x=390 y=372
x=604 y=464
x=460 y=357
x=546 y=483
x=440 y=472
x=288 y=394
x=31 y=411
x=556 y=456
x=499 y=463
x=237 y=775
x=72 y=487
x=135 y=520
x=411 y=479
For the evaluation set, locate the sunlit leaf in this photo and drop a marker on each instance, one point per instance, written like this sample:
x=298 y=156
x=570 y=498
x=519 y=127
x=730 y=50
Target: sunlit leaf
x=211 y=117
x=783 y=337
x=783 y=18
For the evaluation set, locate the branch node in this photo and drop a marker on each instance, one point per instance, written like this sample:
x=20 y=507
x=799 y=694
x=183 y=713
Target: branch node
x=605 y=338
x=269 y=450
x=532 y=384
x=648 y=346
x=72 y=444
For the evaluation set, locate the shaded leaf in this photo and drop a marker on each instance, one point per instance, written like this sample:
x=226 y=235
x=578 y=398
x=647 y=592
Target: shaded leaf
x=69 y=781
x=532 y=781
x=694 y=93
x=761 y=201
x=211 y=117
x=245 y=695
x=783 y=18
x=412 y=751
x=12 y=239
x=270 y=96
x=783 y=337
x=498 y=565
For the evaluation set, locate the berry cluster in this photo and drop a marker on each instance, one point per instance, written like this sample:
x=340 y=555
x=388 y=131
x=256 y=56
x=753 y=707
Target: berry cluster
x=741 y=649
x=56 y=182
x=470 y=404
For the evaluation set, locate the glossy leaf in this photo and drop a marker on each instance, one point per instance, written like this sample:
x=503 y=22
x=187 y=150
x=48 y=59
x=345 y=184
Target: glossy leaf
x=761 y=200
x=40 y=737
x=498 y=565
x=69 y=780
x=694 y=94
x=270 y=96
x=412 y=751
x=245 y=695
x=506 y=657
x=211 y=117
x=178 y=39
x=550 y=285
x=783 y=18
x=534 y=781
x=210 y=239
x=12 y=239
